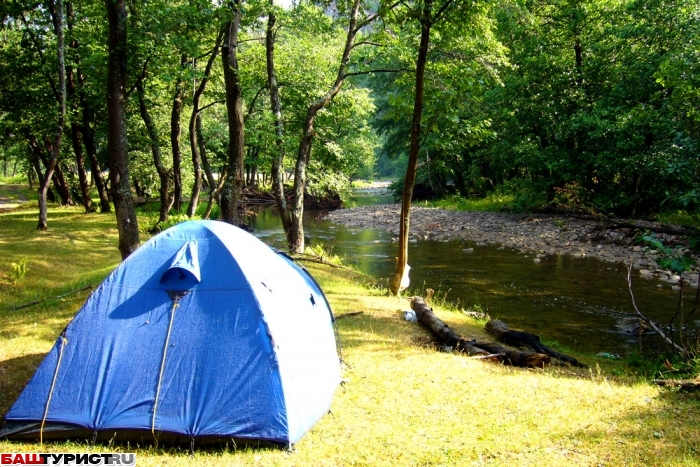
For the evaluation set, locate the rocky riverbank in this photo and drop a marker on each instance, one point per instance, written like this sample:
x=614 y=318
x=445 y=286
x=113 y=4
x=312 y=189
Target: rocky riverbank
x=540 y=234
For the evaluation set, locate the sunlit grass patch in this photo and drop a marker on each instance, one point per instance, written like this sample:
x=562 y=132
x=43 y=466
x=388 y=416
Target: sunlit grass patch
x=684 y=218
x=493 y=202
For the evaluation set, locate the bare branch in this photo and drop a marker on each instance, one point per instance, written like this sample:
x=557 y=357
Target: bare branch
x=211 y=104
x=651 y=324
x=252 y=39
x=388 y=70
x=206 y=54
x=442 y=10
x=252 y=103
x=366 y=43
x=378 y=14
x=141 y=76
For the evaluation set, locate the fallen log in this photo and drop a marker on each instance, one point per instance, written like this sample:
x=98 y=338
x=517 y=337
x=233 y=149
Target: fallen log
x=524 y=339
x=450 y=338
x=688 y=385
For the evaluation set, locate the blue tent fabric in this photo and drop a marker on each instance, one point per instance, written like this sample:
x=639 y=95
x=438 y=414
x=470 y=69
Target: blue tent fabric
x=184 y=270
x=251 y=352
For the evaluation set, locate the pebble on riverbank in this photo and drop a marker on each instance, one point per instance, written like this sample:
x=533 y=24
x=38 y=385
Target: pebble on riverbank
x=536 y=233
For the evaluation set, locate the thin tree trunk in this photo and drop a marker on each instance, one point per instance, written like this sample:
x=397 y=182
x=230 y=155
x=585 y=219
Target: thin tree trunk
x=88 y=133
x=56 y=9
x=277 y=171
x=175 y=132
x=91 y=148
x=35 y=169
x=578 y=52
x=78 y=150
x=165 y=202
x=254 y=168
x=194 y=146
x=80 y=162
x=58 y=178
x=295 y=236
x=234 y=97
x=127 y=222
x=411 y=168
x=247 y=167
x=214 y=192
x=75 y=126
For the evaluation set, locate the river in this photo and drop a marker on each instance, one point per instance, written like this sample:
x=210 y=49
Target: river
x=574 y=301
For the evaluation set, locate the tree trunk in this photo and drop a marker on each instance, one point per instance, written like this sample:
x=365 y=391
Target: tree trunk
x=137 y=188
x=165 y=202
x=175 y=132
x=214 y=194
x=234 y=105
x=95 y=168
x=254 y=168
x=213 y=188
x=295 y=236
x=194 y=146
x=450 y=338
x=88 y=134
x=35 y=169
x=578 y=52
x=409 y=179
x=75 y=126
x=277 y=171
x=78 y=151
x=127 y=222
x=80 y=162
x=56 y=9
x=58 y=178
x=76 y=129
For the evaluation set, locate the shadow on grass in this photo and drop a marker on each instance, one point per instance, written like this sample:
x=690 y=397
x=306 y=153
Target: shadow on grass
x=15 y=373
x=29 y=214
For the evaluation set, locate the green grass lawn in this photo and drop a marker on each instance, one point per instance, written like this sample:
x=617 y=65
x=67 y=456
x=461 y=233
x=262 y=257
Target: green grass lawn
x=404 y=403
x=493 y=202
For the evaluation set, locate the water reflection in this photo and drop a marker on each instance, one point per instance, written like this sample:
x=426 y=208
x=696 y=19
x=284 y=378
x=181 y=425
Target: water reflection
x=575 y=301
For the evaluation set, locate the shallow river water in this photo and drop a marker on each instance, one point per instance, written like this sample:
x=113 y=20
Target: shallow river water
x=574 y=301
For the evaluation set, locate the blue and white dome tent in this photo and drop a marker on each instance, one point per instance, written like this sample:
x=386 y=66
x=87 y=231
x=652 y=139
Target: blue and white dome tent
x=204 y=333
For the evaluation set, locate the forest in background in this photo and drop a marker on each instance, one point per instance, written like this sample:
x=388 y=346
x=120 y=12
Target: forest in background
x=589 y=104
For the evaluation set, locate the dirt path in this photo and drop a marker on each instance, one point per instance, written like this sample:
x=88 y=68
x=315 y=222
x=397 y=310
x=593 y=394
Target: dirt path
x=12 y=196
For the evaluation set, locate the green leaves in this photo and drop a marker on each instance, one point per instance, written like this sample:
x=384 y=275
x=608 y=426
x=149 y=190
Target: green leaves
x=671 y=259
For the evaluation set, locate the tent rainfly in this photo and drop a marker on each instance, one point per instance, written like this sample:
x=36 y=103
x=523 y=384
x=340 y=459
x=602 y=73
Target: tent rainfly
x=204 y=333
